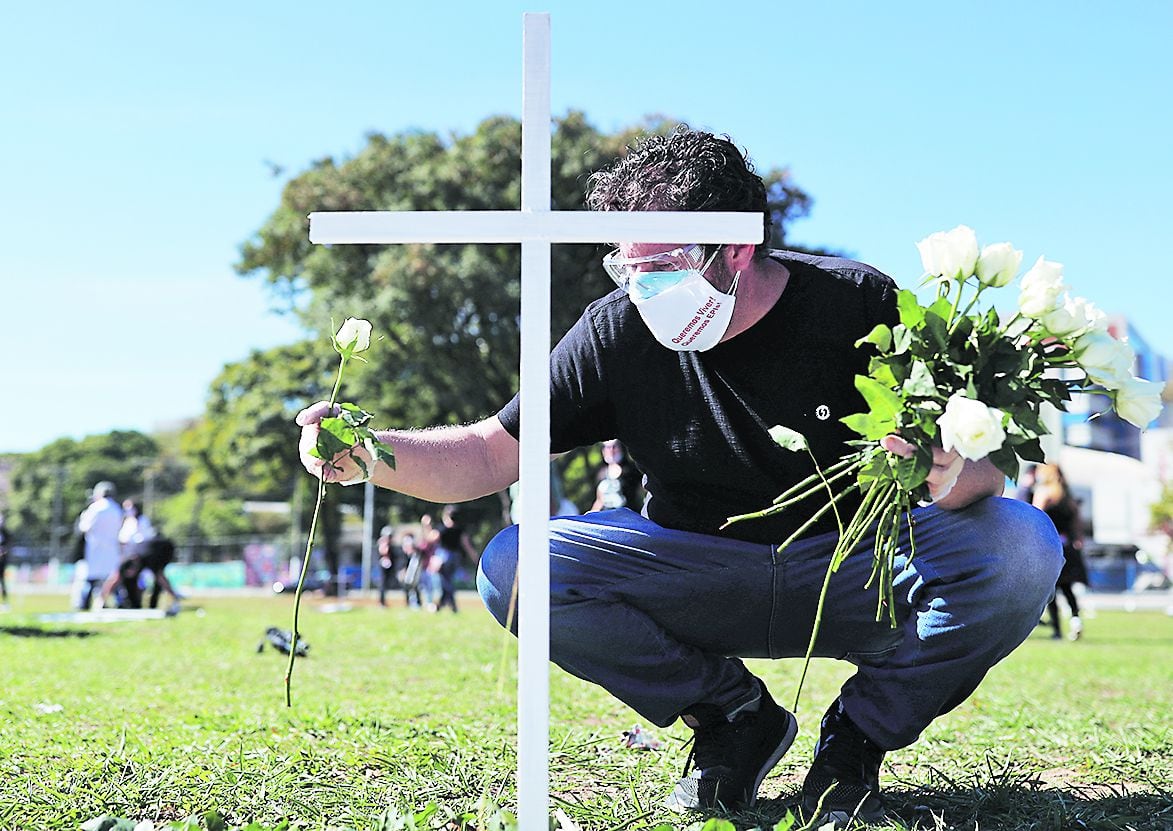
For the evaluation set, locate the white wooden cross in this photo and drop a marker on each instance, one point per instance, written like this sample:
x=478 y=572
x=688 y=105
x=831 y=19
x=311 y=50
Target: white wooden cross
x=536 y=227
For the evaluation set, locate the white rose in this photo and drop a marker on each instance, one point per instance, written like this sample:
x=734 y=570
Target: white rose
x=1138 y=401
x=1041 y=287
x=970 y=427
x=1094 y=317
x=354 y=334
x=1106 y=361
x=1072 y=316
x=951 y=255
x=998 y=264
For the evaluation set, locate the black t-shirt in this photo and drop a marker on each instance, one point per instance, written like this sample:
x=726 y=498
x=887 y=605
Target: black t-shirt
x=697 y=423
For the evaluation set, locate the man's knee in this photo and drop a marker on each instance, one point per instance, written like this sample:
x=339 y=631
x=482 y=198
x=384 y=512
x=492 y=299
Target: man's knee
x=496 y=572
x=1026 y=548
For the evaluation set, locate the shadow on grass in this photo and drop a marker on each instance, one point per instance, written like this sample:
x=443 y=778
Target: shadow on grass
x=37 y=632
x=1018 y=807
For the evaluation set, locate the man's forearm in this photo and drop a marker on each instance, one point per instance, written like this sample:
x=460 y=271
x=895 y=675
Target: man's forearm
x=449 y=464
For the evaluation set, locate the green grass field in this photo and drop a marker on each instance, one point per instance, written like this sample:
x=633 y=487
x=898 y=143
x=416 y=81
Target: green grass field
x=395 y=710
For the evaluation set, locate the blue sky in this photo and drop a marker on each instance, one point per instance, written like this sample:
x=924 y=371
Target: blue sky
x=137 y=141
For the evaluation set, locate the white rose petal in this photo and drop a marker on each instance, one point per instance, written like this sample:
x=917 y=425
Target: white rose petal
x=1106 y=361
x=1138 y=401
x=1072 y=316
x=1096 y=320
x=998 y=264
x=355 y=333
x=970 y=427
x=1041 y=288
x=950 y=255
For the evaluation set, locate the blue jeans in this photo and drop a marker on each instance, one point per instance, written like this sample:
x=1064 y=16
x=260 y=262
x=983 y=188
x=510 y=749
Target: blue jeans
x=660 y=618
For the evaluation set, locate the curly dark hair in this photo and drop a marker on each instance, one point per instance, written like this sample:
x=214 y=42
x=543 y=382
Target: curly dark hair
x=685 y=170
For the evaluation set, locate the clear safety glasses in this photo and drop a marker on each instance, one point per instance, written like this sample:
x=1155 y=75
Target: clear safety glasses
x=645 y=276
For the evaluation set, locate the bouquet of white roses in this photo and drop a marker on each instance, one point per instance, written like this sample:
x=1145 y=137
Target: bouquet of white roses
x=956 y=376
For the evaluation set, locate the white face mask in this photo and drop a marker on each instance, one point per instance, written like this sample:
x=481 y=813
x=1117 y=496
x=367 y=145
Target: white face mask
x=691 y=315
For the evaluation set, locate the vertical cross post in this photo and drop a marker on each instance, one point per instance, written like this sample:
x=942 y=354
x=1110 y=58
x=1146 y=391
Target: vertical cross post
x=533 y=670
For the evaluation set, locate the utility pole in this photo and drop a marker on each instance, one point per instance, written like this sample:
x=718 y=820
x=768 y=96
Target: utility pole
x=368 y=533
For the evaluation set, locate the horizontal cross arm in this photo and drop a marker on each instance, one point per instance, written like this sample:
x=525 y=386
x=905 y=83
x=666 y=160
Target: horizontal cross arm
x=376 y=227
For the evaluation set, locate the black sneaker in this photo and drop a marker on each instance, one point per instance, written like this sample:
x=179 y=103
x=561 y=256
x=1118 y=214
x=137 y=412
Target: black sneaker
x=843 y=782
x=729 y=759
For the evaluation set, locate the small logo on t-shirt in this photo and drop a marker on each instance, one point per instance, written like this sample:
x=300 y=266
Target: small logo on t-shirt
x=822 y=412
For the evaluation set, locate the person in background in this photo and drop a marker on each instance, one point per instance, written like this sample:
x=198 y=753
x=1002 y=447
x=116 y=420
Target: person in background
x=386 y=549
x=133 y=538
x=101 y=523
x=1052 y=496
x=1024 y=489
x=452 y=543
x=412 y=571
x=160 y=552
x=619 y=482
x=5 y=543
x=429 y=583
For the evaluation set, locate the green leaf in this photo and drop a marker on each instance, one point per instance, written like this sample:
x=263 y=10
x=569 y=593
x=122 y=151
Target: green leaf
x=901 y=340
x=913 y=471
x=1006 y=460
x=880 y=369
x=353 y=415
x=920 y=381
x=964 y=327
x=787 y=438
x=385 y=454
x=192 y=823
x=938 y=330
x=329 y=445
x=1031 y=451
x=1025 y=424
x=883 y=402
x=214 y=822
x=869 y=425
x=880 y=336
x=717 y=824
x=912 y=313
x=340 y=429
x=940 y=307
x=786 y=823
x=875 y=468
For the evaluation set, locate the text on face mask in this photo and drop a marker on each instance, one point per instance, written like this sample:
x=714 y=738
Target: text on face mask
x=702 y=317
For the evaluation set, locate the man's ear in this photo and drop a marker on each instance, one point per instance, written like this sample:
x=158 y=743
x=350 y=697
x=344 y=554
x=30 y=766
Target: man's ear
x=738 y=257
